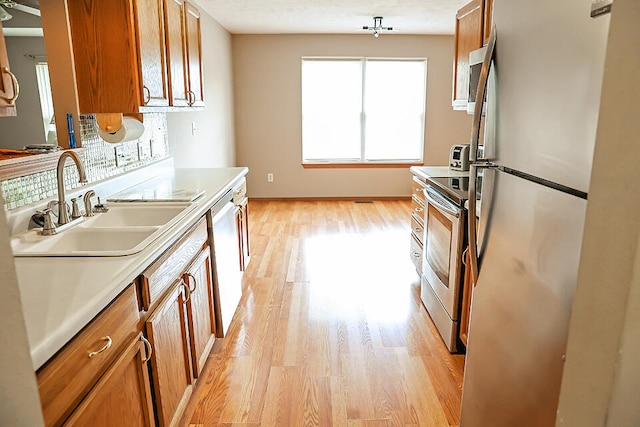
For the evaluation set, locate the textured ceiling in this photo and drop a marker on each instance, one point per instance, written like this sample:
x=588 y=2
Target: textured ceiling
x=333 y=16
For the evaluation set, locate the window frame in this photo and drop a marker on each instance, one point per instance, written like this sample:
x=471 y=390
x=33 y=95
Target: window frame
x=362 y=162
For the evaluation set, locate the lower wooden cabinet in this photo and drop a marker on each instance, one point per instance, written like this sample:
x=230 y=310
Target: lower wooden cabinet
x=200 y=310
x=170 y=362
x=122 y=396
x=153 y=340
x=65 y=380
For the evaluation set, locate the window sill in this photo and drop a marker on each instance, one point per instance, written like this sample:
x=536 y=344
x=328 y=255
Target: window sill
x=358 y=165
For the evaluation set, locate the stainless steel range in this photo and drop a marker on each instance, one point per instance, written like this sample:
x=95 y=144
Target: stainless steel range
x=444 y=242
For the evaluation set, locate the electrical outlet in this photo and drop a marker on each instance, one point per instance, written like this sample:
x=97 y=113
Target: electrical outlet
x=269 y=177
x=121 y=158
x=193 y=128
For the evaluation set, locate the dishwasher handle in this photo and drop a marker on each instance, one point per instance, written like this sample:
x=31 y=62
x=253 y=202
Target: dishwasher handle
x=440 y=202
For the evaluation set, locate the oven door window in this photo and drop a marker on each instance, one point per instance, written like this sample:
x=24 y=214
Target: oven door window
x=438 y=244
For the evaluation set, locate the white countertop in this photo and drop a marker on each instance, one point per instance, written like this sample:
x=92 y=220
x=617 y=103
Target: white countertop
x=61 y=295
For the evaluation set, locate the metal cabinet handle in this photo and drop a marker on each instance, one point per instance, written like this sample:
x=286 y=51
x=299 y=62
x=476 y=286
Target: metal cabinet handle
x=146 y=95
x=16 y=87
x=417 y=255
x=464 y=256
x=105 y=347
x=191 y=97
x=195 y=282
x=187 y=291
x=418 y=209
x=147 y=344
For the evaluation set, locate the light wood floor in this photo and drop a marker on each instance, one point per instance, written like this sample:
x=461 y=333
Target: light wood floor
x=330 y=330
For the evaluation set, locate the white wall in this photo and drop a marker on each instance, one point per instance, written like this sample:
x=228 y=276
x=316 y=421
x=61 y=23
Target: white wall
x=25 y=128
x=213 y=144
x=267 y=89
x=601 y=379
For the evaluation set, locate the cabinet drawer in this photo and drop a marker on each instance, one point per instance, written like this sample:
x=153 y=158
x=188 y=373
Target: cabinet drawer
x=167 y=269
x=417 y=190
x=240 y=192
x=416 y=254
x=417 y=228
x=66 y=378
x=417 y=208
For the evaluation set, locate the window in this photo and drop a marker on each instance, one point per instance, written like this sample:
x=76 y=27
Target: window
x=362 y=110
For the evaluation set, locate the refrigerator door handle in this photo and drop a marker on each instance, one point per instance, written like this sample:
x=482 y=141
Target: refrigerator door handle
x=476 y=163
x=480 y=94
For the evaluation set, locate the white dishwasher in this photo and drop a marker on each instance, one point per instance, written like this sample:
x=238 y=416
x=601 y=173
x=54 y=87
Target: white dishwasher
x=225 y=252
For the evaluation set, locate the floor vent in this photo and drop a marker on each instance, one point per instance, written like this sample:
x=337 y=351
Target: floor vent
x=364 y=201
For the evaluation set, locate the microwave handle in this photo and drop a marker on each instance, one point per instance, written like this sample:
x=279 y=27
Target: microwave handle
x=474 y=163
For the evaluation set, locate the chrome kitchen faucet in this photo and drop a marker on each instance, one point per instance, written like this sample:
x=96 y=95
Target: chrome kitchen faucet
x=63 y=215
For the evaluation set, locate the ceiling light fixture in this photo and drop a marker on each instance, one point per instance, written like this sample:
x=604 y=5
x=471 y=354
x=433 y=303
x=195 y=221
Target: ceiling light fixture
x=377 y=26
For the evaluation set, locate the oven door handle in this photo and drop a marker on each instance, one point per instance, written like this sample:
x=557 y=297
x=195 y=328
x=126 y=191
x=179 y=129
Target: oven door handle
x=434 y=198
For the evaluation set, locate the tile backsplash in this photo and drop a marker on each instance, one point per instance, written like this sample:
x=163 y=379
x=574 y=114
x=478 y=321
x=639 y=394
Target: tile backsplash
x=101 y=160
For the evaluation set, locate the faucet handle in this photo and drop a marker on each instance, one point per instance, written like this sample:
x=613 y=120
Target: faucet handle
x=75 y=210
x=49 y=228
x=88 y=210
x=100 y=208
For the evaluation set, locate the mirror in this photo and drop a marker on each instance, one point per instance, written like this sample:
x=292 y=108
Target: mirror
x=27 y=57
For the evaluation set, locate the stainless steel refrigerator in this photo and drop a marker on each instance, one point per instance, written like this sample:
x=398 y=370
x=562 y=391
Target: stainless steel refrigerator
x=543 y=73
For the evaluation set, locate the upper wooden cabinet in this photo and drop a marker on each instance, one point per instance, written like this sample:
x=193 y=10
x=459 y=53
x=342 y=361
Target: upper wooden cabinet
x=135 y=56
x=473 y=26
x=185 y=53
x=119 y=54
x=8 y=84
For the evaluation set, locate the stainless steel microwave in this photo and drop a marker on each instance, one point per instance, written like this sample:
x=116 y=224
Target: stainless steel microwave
x=476 y=57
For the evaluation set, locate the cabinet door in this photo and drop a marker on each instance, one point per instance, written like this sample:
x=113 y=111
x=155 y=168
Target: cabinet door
x=170 y=360
x=152 y=58
x=200 y=309
x=122 y=397
x=105 y=54
x=195 y=94
x=8 y=82
x=468 y=37
x=176 y=53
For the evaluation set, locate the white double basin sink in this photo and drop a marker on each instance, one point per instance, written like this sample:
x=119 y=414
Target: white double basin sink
x=126 y=229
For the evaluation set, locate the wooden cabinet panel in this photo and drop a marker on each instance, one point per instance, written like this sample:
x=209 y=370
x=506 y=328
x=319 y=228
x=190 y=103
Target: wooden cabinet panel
x=416 y=254
x=165 y=270
x=152 y=58
x=105 y=56
x=417 y=208
x=200 y=310
x=468 y=37
x=66 y=378
x=194 y=55
x=122 y=397
x=488 y=20
x=176 y=52
x=417 y=190
x=170 y=360
x=8 y=83
x=417 y=228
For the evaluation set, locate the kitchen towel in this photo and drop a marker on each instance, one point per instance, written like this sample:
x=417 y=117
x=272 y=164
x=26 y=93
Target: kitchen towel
x=131 y=129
